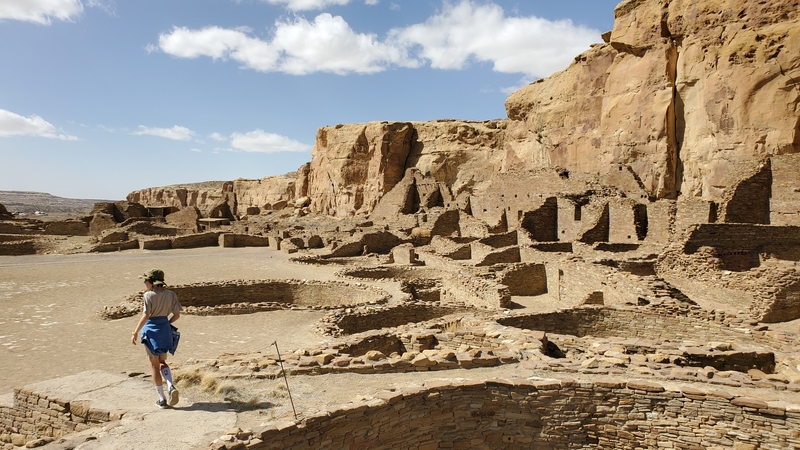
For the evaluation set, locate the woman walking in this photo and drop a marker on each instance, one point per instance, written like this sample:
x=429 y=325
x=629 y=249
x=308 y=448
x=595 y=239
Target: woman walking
x=156 y=332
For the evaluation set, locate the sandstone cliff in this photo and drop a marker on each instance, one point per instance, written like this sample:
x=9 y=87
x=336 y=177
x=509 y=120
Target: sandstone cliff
x=692 y=98
x=213 y=198
x=682 y=92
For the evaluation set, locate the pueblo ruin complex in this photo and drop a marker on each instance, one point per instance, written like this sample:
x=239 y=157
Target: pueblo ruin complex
x=649 y=192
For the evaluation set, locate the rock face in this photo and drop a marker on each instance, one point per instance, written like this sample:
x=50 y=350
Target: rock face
x=696 y=100
x=683 y=91
x=352 y=166
x=270 y=193
x=211 y=198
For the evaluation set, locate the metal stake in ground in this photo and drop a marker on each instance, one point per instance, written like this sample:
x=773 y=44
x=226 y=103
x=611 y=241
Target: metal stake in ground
x=280 y=360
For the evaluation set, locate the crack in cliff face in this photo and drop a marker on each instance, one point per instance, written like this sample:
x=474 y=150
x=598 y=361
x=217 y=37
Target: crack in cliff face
x=676 y=120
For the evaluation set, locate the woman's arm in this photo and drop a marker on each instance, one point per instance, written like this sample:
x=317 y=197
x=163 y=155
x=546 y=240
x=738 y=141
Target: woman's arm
x=174 y=317
x=139 y=326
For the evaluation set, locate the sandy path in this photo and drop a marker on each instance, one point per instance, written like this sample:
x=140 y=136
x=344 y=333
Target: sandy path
x=48 y=306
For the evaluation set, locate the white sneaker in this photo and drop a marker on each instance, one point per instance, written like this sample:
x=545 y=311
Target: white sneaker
x=161 y=404
x=173 y=396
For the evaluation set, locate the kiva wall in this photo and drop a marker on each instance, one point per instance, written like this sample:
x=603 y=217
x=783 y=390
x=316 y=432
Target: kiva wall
x=542 y=414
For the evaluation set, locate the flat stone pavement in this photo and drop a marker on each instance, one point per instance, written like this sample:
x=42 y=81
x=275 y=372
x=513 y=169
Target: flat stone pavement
x=187 y=425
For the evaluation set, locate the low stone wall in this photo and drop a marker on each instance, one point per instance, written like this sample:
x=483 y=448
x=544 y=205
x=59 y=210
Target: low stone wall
x=245 y=297
x=524 y=278
x=131 y=244
x=626 y=323
x=360 y=320
x=67 y=228
x=773 y=287
x=389 y=272
x=16 y=248
x=478 y=292
x=197 y=240
x=538 y=414
x=35 y=418
x=247 y=240
x=738 y=244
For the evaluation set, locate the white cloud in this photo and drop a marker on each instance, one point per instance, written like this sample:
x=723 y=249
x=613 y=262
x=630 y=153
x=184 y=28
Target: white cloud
x=40 y=11
x=306 y=5
x=217 y=137
x=12 y=124
x=468 y=31
x=109 y=6
x=462 y=33
x=263 y=142
x=175 y=133
x=299 y=47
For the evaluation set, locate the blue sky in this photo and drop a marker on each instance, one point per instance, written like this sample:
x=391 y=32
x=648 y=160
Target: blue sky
x=102 y=97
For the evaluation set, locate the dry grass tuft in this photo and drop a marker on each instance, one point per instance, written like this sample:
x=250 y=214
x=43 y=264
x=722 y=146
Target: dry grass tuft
x=226 y=388
x=188 y=376
x=209 y=382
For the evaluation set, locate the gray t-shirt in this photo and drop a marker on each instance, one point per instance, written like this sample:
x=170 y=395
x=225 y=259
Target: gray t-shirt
x=161 y=303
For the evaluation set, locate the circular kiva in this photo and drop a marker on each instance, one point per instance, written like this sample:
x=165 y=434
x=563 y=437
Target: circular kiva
x=388 y=272
x=623 y=323
x=363 y=319
x=244 y=297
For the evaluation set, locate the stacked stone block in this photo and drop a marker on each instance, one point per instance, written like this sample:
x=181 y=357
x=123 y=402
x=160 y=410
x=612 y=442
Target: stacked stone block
x=37 y=417
x=538 y=413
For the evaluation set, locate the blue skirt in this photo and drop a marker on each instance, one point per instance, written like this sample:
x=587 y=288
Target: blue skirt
x=160 y=336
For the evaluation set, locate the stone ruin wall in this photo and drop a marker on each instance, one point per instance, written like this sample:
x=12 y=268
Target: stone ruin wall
x=35 y=415
x=542 y=413
x=625 y=323
x=244 y=297
x=785 y=199
x=463 y=288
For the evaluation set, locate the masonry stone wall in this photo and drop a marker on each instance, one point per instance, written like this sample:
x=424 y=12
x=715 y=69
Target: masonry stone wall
x=748 y=200
x=374 y=242
x=785 y=200
x=20 y=227
x=67 y=228
x=506 y=255
x=770 y=289
x=524 y=278
x=738 y=245
x=130 y=244
x=197 y=240
x=626 y=323
x=599 y=230
x=541 y=414
x=247 y=240
x=245 y=297
x=463 y=288
x=627 y=221
x=690 y=211
x=387 y=317
x=15 y=248
x=660 y=221
x=541 y=223
x=302 y=293
x=35 y=415
x=576 y=215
